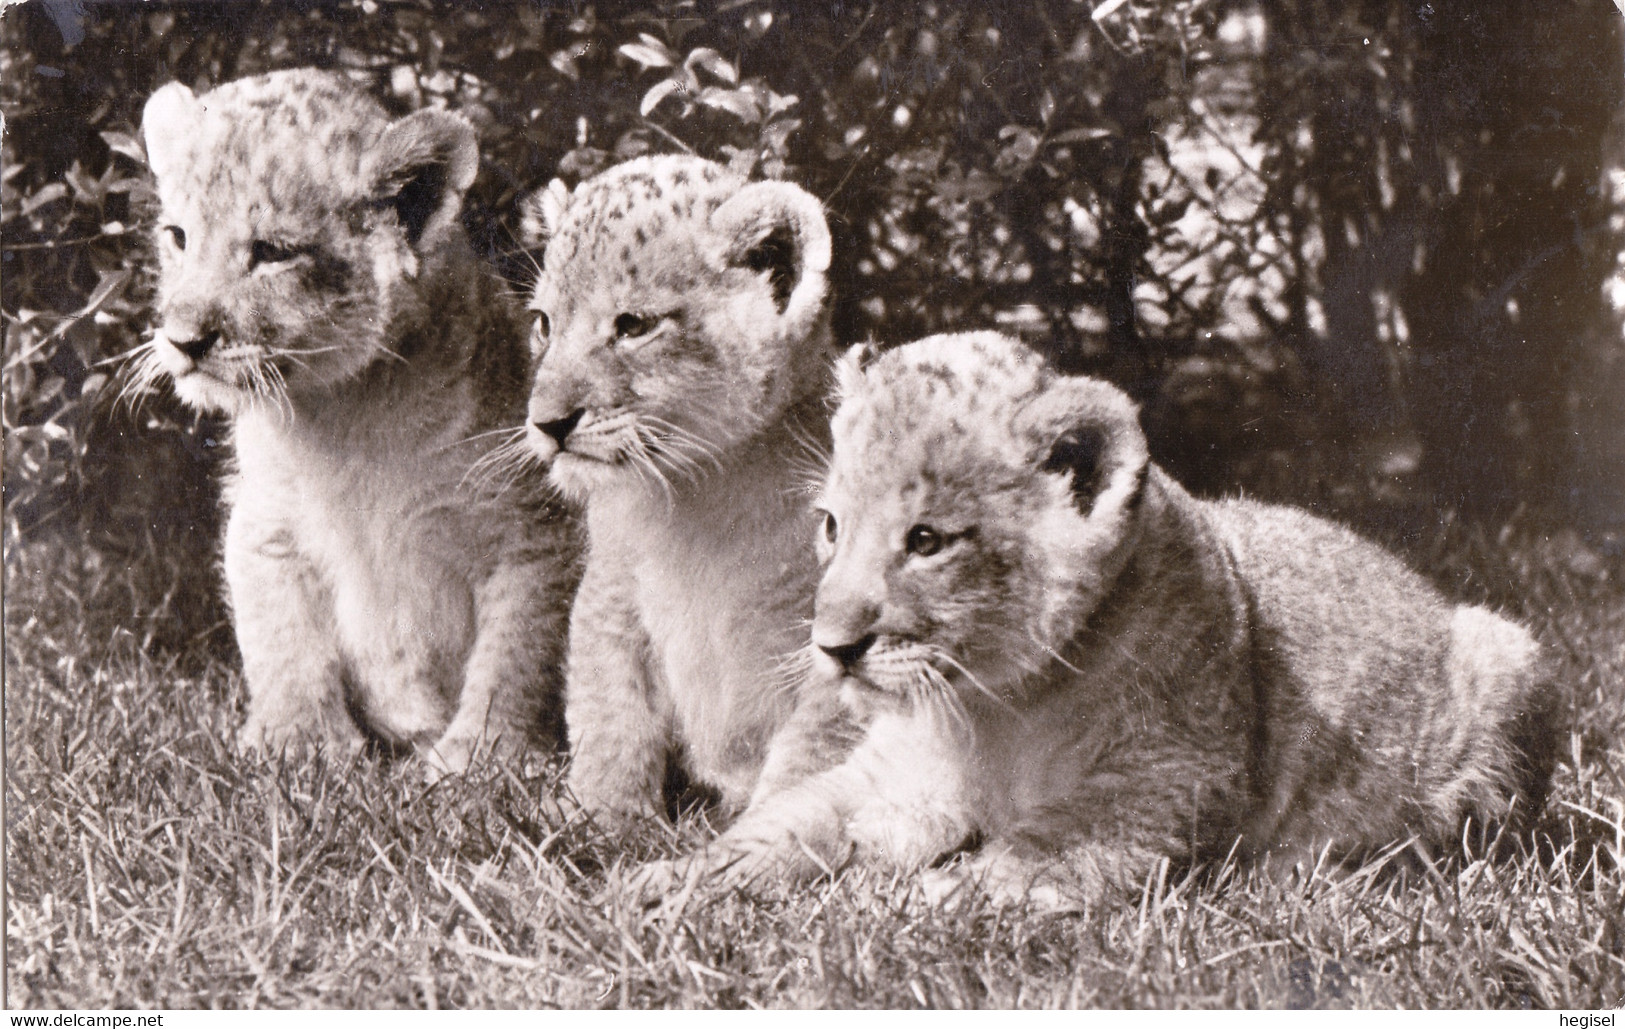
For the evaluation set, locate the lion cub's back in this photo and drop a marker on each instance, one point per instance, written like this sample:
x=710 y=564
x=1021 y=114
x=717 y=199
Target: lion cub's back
x=1402 y=709
x=1346 y=616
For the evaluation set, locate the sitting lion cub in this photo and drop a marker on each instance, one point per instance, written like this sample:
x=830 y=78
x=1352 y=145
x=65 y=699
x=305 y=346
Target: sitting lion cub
x=316 y=285
x=682 y=334
x=1056 y=649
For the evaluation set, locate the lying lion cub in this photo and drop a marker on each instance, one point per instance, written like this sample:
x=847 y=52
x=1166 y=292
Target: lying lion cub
x=1057 y=650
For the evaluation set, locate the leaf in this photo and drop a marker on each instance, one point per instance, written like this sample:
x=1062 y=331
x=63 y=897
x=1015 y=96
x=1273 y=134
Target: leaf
x=1107 y=9
x=633 y=143
x=1081 y=135
x=758 y=22
x=661 y=90
x=1169 y=212
x=775 y=133
x=737 y=102
x=714 y=63
x=584 y=162
x=564 y=62
x=141 y=190
x=647 y=56
x=1024 y=142
x=778 y=103
x=917 y=162
x=978 y=185
x=741 y=161
x=87 y=188
x=126 y=144
x=677 y=28
x=47 y=194
x=111 y=283
x=49 y=389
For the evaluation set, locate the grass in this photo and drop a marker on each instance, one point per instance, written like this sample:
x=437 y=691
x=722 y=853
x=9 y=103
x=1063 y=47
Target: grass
x=146 y=865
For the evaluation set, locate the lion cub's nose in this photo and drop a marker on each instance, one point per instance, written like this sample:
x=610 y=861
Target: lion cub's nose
x=561 y=428
x=848 y=654
x=196 y=348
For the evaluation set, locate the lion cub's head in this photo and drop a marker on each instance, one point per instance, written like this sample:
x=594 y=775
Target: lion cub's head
x=977 y=509
x=296 y=218
x=679 y=311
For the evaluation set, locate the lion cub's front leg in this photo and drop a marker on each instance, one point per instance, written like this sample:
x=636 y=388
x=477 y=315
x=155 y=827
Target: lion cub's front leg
x=897 y=798
x=793 y=834
x=619 y=738
x=285 y=630
x=512 y=667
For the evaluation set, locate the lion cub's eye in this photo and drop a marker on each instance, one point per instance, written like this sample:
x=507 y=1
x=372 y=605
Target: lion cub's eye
x=539 y=331
x=631 y=326
x=829 y=527
x=923 y=541
x=263 y=251
x=177 y=236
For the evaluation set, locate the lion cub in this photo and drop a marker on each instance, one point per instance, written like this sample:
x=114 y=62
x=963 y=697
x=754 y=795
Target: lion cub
x=684 y=347
x=315 y=285
x=1056 y=649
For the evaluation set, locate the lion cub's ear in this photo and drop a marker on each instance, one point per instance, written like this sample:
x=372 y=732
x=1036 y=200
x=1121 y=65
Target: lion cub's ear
x=849 y=367
x=778 y=228
x=422 y=167
x=1079 y=450
x=542 y=213
x=1089 y=430
x=167 y=123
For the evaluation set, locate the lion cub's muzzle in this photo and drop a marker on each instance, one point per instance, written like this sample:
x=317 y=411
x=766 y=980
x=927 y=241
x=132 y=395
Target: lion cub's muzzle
x=847 y=655
x=592 y=436
x=197 y=348
x=187 y=350
x=875 y=666
x=560 y=428
x=548 y=436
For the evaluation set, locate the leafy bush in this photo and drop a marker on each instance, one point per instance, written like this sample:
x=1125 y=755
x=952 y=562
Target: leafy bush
x=1350 y=253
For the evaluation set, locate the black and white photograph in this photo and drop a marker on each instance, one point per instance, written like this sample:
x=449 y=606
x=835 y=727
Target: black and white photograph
x=813 y=504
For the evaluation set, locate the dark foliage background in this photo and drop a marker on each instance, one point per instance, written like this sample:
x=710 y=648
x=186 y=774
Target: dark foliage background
x=1355 y=255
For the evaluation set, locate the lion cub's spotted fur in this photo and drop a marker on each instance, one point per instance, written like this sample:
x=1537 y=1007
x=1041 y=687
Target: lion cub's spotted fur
x=316 y=286
x=1056 y=649
x=684 y=359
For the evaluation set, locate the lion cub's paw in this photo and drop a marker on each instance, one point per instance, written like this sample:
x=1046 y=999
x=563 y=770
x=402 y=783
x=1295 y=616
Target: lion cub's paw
x=299 y=740
x=658 y=888
x=946 y=888
x=1003 y=880
x=456 y=752
x=656 y=881
x=622 y=819
x=668 y=884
